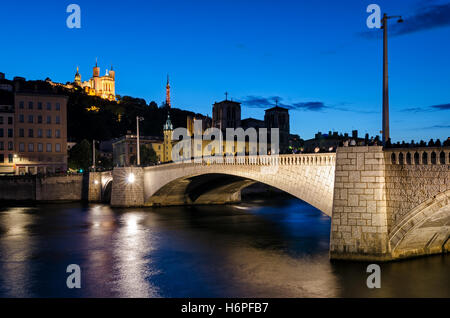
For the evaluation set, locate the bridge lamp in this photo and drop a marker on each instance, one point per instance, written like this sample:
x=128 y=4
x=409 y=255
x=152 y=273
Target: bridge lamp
x=130 y=178
x=96 y=182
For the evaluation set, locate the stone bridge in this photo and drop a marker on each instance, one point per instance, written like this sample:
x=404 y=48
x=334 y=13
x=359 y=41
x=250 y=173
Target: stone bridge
x=384 y=204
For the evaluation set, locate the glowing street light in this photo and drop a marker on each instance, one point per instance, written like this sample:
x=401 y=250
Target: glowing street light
x=131 y=178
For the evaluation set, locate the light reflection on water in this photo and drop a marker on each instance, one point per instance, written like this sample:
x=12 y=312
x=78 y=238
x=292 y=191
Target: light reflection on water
x=254 y=249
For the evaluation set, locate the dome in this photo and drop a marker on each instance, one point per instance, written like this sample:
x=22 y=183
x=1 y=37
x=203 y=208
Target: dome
x=168 y=125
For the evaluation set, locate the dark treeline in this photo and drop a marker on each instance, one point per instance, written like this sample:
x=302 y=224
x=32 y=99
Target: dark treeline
x=115 y=119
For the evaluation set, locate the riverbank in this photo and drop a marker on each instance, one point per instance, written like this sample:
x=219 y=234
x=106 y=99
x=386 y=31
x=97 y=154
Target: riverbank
x=45 y=189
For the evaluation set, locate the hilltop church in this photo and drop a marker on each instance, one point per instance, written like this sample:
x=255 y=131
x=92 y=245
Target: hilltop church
x=101 y=86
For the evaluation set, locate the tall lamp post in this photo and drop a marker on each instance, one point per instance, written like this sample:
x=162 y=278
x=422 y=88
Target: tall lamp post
x=93 y=155
x=385 y=127
x=138 y=150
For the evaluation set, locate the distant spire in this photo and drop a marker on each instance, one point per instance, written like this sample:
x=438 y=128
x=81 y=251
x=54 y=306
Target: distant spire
x=226 y=95
x=168 y=92
x=95 y=61
x=112 y=68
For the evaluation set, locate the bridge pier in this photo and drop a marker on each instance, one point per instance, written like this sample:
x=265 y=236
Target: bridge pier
x=128 y=187
x=359 y=228
x=94 y=187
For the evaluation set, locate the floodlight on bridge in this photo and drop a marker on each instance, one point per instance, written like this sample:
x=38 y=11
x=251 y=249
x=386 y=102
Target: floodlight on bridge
x=130 y=178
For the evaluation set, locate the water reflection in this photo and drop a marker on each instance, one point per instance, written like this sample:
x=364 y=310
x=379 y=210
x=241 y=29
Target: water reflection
x=133 y=266
x=254 y=249
x=16 y=248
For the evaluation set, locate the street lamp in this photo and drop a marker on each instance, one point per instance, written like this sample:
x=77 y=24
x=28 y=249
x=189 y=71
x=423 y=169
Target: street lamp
x=138 y=150
x=93 y=153
x=385 y=121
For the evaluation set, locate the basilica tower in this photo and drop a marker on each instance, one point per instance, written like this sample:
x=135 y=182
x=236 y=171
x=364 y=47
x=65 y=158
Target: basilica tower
x=77 y=78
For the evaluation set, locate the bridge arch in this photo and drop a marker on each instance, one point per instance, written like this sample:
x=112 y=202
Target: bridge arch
x=311 y=181
x=423 y=230
x=106 y=190
x=207 y=188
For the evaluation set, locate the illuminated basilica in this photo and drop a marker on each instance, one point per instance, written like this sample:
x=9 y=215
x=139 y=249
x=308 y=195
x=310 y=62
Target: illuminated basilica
x=101 y=86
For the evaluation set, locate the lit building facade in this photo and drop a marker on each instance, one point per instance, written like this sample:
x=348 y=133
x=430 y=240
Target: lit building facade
x=6 y=133
x=125 y=147
x=40 y=133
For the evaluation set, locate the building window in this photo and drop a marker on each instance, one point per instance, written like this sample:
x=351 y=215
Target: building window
x=57 y=133
x=49 y=119
x=21 y=147
x=49 y=148
x=10 y=133
x=49 y=106
x=40 y=147
x=30 y=105
x=58 y=106
x=58 y=121
x=30 y=147
x=58 y=147
x=2 y=146
x=10 y=145
x=39 y=119
x=10 y=158
x=21 y=119
x=30 y=133
x=1 y=120
x=21 y=105
x=2 y=158
x=1 y=132
x=21 y=132
x=30 y=119
x=10 y=120
x=39 y=133
x=49 y=133
x=39 y=105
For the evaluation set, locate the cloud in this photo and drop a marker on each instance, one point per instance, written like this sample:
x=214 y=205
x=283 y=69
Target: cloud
x=425 y=18
x=315 y=106
x=440 y=107
x=266 y=102
x=437 y=127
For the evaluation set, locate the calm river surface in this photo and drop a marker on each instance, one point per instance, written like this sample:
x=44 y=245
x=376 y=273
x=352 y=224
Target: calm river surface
x=254 y=249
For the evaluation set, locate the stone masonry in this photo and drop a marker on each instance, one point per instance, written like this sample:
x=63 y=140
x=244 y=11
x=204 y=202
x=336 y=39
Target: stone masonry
x=359 y=223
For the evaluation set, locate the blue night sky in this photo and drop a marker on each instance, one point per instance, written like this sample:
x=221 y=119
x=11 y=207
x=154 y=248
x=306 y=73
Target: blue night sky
x=317 y=57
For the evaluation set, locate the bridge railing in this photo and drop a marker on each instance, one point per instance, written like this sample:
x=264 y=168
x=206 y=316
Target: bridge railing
x=418 y=156
x=299 y=159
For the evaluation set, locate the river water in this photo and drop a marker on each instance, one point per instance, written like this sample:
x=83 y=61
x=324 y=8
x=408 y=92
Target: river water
x=275 y=248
